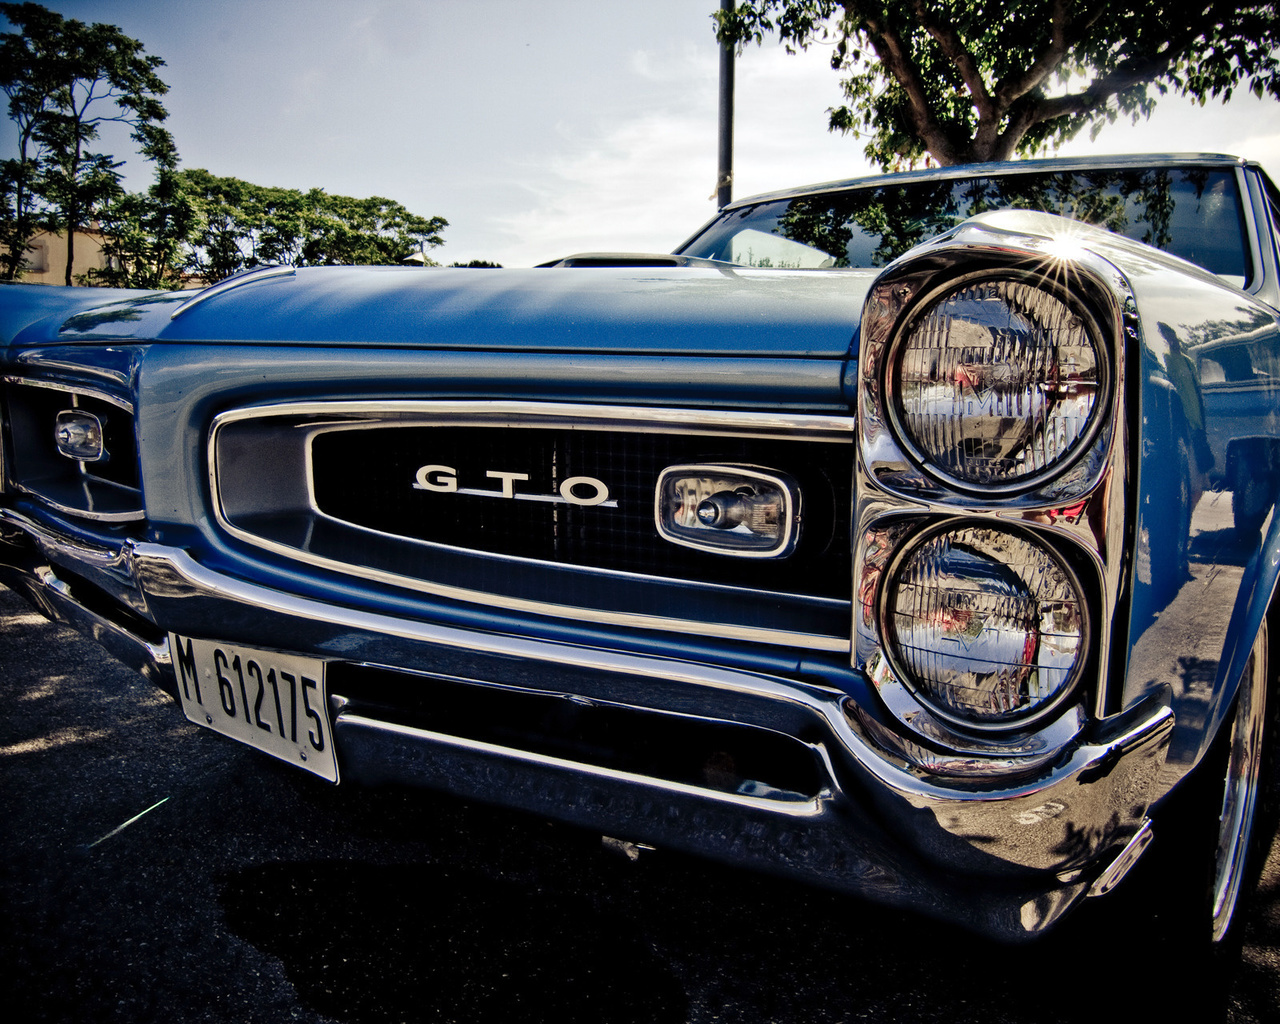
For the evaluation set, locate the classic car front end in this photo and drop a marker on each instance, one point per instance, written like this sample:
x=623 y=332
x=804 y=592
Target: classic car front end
x=921 y=583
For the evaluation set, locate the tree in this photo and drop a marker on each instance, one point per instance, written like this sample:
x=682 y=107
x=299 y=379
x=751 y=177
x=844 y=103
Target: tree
x=967 y=81
x=64 y=80
x=25 y=77
x=146 y=236
x=343 y=230
x=239 y=225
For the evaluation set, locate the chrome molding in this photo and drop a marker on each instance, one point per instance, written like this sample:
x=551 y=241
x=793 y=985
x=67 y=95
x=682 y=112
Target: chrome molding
x=249 y=277
x=1258 y=280
x=514 y=756
x=1123 y=863
x=70 y=389
x=131 y=516
x=549 y=415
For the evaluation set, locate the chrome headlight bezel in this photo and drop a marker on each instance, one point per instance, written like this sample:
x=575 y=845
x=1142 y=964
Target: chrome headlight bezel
x=1076 y=509
x=1086 y=283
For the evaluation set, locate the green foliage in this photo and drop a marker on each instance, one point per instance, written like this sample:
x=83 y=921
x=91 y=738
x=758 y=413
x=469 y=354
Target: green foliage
x=146 y=235
x=965 y=81
x=239 y=225
x=64 y=80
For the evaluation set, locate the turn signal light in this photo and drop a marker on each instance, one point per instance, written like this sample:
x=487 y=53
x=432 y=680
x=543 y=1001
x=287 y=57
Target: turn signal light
x=78 y=435
x=728 y=510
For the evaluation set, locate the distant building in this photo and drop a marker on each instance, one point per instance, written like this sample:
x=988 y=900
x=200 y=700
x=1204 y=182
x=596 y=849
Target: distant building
x=47 y=257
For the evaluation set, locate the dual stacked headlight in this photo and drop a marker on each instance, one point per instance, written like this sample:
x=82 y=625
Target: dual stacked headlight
x=986 y=626
x=979 y=397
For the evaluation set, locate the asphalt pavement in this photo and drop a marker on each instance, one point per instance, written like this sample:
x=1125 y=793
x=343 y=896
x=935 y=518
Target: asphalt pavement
x=152 y=871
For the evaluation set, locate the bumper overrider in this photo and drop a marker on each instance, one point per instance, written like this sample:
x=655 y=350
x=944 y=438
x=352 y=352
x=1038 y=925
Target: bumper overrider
x=1004 y=855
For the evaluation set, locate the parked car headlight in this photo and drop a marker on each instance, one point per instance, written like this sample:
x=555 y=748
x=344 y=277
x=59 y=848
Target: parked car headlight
x=997 y=383
x=985 y=626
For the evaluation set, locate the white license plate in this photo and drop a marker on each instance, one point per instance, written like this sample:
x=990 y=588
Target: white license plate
x=274 y=702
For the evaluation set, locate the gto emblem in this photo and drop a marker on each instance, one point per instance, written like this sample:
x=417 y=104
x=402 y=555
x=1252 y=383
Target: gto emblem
x=574 y=490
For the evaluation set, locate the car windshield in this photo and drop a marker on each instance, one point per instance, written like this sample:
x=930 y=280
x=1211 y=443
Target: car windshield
x=1191 y=212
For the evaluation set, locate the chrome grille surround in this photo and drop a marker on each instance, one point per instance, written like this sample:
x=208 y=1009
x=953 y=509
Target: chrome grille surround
x=290 y=442
x=105 y=490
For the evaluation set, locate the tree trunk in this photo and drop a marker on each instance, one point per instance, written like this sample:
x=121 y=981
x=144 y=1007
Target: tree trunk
x=71 y=249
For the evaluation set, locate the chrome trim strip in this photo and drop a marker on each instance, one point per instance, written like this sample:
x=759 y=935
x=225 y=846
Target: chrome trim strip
x=171 y=574
x=789 y=808
x=131 y=516
x=1254 y=233
x=1124 y=862
x=535 y=415
x=627 y=574
x=233 y=282
x=728 y=631
x=543 y=415
x=101 y=396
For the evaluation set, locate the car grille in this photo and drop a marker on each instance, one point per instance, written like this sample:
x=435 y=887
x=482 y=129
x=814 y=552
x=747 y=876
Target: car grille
x=365 y=477
x=332 y=484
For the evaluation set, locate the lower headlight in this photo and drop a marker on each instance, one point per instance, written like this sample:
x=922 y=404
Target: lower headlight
x=985 y=626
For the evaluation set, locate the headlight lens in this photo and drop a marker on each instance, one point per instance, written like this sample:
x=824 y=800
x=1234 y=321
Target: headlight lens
x=997 y=384
x=985 y=626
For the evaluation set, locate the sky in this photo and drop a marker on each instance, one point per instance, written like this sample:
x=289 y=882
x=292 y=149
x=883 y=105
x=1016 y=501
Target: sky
x=537 y=128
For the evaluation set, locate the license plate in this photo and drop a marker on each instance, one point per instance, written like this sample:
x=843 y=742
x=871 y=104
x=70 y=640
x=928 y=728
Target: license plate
x=274 y=702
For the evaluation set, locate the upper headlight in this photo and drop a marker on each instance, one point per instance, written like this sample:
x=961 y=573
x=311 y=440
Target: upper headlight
x=996 y=384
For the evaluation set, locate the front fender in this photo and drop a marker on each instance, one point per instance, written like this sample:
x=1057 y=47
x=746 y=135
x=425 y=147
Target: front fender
x=1206 y=536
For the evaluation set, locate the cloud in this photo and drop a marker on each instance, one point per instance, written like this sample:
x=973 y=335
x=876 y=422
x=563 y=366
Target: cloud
x=1244 y=127
x=644 y=183
x=640 y=186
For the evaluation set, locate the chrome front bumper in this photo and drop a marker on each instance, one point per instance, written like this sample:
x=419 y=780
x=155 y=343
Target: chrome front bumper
x=1005 y=857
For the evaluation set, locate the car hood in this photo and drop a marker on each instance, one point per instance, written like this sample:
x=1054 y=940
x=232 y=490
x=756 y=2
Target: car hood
x=682 y=310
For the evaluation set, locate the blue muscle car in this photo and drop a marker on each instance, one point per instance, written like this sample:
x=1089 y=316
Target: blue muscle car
x=915 y=536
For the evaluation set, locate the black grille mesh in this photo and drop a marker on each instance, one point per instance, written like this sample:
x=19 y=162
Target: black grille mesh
x=366 y=477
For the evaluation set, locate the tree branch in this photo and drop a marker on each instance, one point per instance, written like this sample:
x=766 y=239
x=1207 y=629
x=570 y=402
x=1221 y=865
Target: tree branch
x=954 y=50
x=1126 y=75
x=896 y=59
x=1064 y=33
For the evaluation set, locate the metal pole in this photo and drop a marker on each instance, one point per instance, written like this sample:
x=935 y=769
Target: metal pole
x=724 y=175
